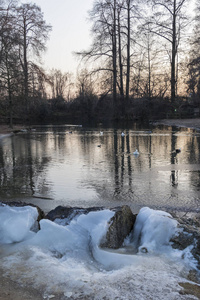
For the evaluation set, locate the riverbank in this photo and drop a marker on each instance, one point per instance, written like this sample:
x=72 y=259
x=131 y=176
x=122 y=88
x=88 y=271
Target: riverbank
x=5 y=129
x=188 y=123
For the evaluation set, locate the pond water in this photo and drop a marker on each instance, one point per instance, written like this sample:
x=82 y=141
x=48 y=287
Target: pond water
x=77 y=166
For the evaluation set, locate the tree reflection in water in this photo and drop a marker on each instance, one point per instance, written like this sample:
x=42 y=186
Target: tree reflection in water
x=50 y=163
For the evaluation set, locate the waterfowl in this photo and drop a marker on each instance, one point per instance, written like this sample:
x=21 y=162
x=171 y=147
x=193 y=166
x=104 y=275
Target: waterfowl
x=123 y=134
x=101 y=132
x=99 y=146
x=136 y=152
x=23 y=130
x=178 y=150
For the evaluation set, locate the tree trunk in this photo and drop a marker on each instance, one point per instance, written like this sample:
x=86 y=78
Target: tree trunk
x=149 y=70
x=173 y=62
x=9 y=94
x=25 y=69
x=114 y=50
x=120 y=58
x=128 y=51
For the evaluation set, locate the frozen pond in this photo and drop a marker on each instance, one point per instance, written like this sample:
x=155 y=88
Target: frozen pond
x=51 y=166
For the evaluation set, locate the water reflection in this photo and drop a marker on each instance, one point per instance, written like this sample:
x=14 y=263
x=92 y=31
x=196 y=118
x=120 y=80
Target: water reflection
x=21 y=160
x=174 y=157
x=53 y=166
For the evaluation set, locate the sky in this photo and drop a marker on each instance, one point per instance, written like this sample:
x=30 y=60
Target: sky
x=70 y=31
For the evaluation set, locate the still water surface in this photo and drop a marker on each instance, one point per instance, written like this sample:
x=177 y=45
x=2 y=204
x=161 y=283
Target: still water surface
x=72 y=165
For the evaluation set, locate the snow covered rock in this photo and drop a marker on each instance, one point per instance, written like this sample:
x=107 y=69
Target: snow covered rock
x=119 y=226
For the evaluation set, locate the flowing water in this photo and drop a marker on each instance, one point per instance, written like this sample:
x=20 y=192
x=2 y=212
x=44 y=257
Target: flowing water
x=76 y=166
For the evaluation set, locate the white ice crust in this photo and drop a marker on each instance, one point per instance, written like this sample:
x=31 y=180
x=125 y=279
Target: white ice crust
x=67 y=260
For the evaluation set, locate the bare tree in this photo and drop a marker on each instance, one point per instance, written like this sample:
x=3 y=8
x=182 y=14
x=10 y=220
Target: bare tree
x=121 y=66
x=9 y=64
x=104 y=47
x=85 y=83
x=33 y=33
x=193 y=80
x=148 y=56
x=38 y=82
x=59 y=83
x=168 y=23
x=128 y=8
x=23 y=34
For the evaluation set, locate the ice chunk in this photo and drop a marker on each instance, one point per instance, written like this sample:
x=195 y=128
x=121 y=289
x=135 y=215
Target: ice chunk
x=153 y=229
x=81 y=235
x=16 y=222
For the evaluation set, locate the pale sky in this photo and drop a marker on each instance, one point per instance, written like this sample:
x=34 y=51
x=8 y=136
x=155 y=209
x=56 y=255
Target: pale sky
x=70 y=31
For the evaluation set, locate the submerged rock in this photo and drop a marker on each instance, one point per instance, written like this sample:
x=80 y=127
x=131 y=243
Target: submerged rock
x=121 y=225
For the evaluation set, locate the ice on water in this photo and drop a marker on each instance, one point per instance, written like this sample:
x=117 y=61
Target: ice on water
x=68 y=261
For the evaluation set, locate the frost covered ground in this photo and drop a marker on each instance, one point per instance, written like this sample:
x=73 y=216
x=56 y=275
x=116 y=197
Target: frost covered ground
x=65 y=262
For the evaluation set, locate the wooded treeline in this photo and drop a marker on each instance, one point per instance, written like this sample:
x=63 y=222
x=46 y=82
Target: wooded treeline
x=144 y=62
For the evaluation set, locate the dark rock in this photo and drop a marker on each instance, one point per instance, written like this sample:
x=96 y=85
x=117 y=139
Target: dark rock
x=69 y=213
x=190 y=289
x=189 y=234
x=121 y=225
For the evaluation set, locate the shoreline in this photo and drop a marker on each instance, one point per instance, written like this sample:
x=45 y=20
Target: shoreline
x=5 y=129
x=186 y=123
